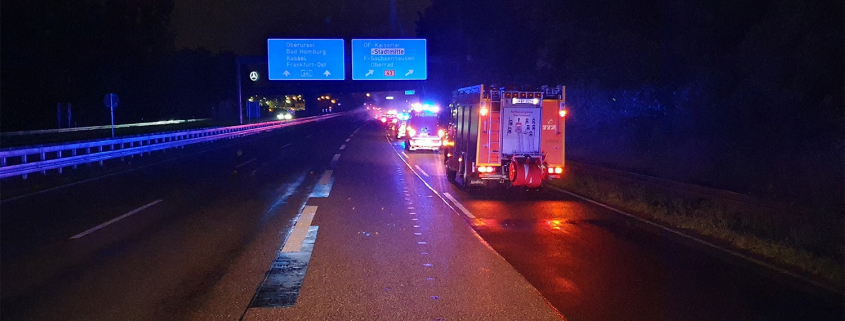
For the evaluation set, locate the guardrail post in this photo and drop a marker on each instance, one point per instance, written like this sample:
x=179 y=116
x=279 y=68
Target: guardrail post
x=73 y=153
x=59 y=155
x=3 y=161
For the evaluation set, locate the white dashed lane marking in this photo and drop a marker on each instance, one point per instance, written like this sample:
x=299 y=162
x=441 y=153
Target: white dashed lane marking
x=95 y=228
x=421 y=170
x=459 y=205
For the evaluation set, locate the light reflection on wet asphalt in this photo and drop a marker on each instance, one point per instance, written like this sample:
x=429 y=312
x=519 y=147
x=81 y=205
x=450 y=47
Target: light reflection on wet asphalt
x=593 y=264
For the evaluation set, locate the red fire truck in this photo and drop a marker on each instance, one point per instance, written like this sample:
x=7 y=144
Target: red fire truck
x=503 y=137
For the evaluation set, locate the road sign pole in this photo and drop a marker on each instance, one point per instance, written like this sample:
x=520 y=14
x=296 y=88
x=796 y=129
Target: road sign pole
x=240 y=93
x=111 y=102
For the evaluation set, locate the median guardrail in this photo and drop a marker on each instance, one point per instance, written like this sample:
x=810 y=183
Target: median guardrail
x=19 y=161
x=77 y=129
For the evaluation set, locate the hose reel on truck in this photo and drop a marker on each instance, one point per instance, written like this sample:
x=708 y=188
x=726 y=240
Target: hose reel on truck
x=526 y=171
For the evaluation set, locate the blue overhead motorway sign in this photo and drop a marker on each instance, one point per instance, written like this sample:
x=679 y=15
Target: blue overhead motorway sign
x=389 y=59
x=305 y=59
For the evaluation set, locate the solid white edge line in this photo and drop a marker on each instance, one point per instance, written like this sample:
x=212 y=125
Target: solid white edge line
x=459 y=205
x=421 y=170
x=327 y=176
x=700 y=241
x=300 y=230
x=403 y=154
x=95 y=228
x=247 y=162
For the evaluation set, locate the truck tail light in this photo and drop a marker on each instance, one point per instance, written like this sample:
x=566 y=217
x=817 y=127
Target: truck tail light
x=558 y=170
x=486 y=169
x=562 y=113
x=483 y=111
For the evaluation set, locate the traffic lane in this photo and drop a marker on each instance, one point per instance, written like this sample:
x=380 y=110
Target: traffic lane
x=578 y=254
x=231 y=296
x=54 y=215
x=191 y=232
x=388 y=248
x=298 y=154
x=57 y=214
x=37 y=226
x=635 y=274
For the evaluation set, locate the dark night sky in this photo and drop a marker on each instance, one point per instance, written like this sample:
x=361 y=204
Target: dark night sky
x=243 y=26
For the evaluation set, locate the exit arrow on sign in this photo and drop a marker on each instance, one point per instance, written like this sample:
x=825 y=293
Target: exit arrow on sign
x=327 y=73
x=286 y=73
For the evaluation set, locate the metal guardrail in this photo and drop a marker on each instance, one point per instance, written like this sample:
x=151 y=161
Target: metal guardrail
x=77 y=129
x=16 y=162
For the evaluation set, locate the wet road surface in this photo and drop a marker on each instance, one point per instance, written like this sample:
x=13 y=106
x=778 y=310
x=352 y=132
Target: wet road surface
x=594 y=264
x=333 y=221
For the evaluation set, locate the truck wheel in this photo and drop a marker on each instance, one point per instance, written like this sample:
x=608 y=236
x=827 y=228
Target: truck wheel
x=465 y=179
x=451 y=175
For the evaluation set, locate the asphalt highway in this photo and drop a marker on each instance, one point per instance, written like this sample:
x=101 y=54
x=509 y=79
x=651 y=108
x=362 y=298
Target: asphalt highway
x=334 y=221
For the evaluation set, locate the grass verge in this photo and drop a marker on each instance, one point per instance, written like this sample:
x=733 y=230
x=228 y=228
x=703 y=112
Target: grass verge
x=809 y=244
